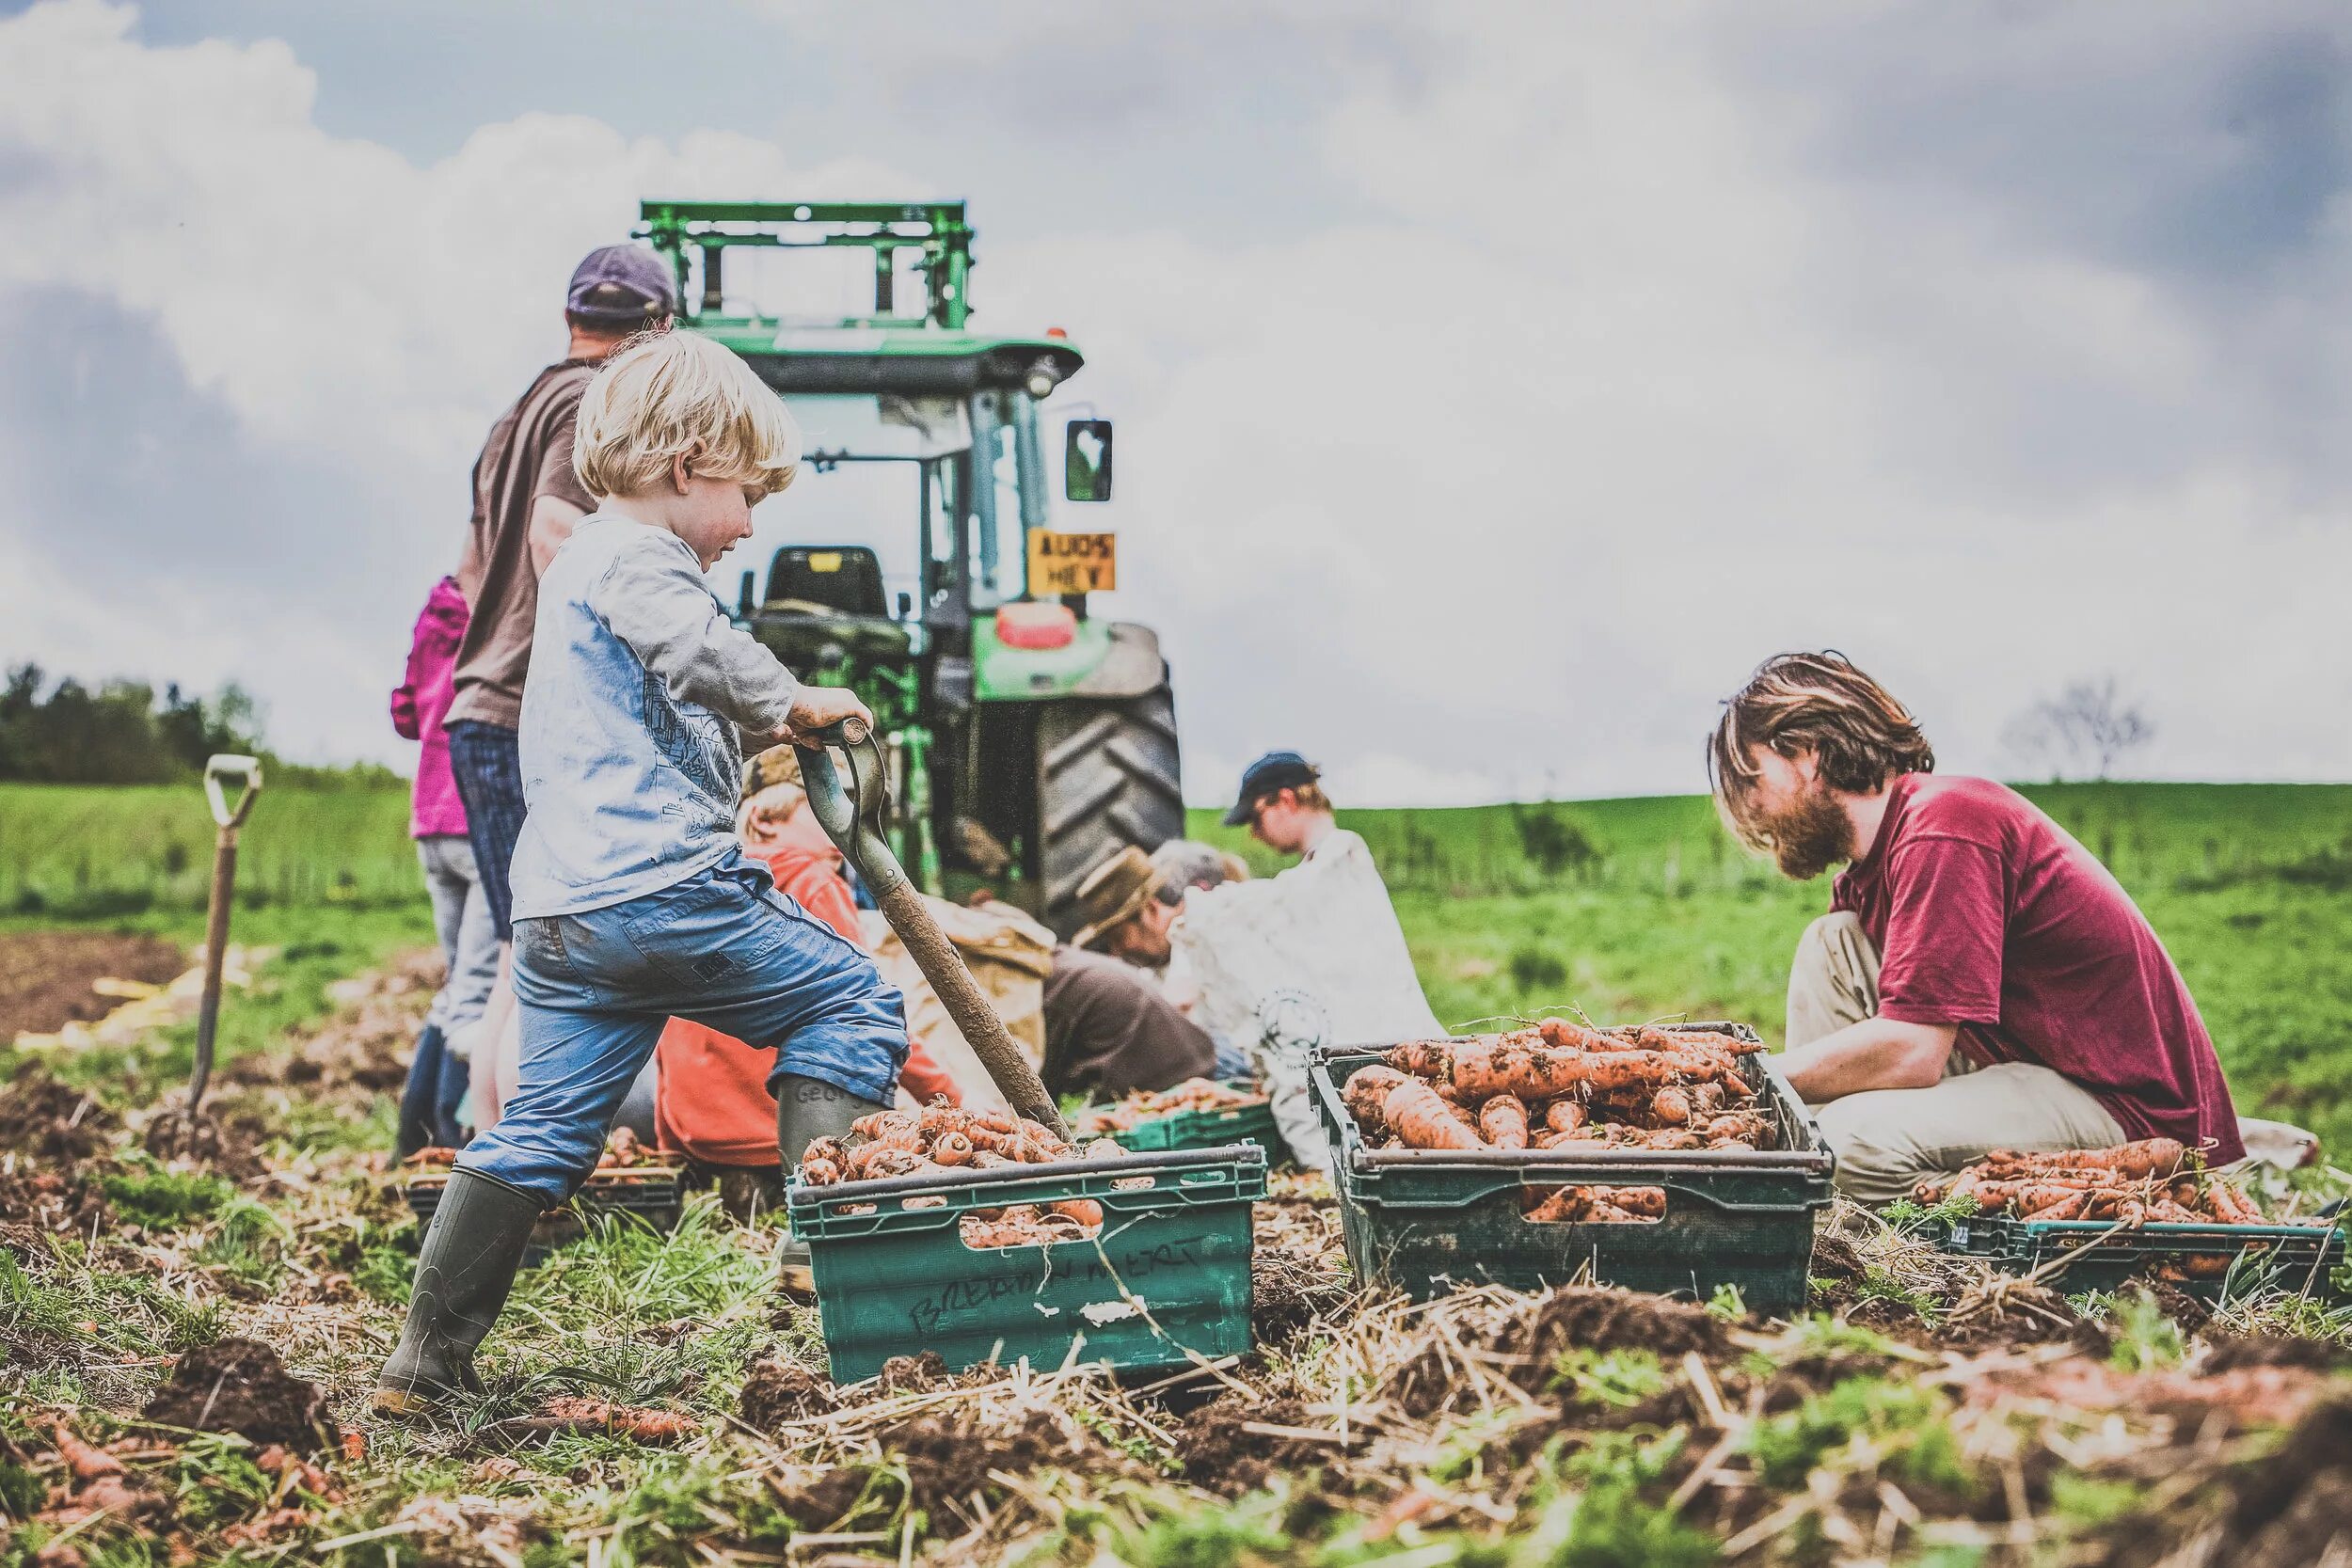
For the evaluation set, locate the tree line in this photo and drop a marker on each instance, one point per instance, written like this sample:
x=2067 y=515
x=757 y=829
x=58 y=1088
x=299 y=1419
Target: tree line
x=122 y=732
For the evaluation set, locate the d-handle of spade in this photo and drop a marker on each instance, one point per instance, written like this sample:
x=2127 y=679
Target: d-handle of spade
x=854 y=818
x=228 y=816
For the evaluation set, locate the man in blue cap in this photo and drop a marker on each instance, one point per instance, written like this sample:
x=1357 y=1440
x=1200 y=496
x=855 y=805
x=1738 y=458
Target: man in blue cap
x=526 y=499
x=1283 y=806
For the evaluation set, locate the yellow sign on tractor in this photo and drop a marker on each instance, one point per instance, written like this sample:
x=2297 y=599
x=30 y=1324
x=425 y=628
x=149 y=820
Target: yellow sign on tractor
x=1072 y=563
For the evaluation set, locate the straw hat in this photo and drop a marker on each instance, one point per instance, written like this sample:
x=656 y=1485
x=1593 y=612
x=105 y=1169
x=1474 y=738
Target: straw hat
x=1112 y=893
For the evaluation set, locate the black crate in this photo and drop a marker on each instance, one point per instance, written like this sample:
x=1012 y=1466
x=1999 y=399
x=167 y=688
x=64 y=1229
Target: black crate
x=652 y=1195
x=1432 y=1220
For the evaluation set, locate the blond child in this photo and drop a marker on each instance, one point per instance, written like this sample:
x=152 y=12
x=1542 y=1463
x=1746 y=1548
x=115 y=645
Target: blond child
x=632 y=899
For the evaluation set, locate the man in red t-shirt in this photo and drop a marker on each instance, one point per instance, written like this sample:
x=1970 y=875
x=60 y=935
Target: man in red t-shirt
x=1981 y=981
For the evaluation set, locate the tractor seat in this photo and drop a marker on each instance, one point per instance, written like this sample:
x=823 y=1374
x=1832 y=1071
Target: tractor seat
x=843 y=579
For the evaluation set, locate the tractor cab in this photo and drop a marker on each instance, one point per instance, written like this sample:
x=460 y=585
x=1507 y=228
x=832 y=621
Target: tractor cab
x=1031 y=738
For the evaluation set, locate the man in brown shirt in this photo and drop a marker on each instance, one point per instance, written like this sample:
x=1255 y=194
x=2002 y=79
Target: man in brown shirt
x=526 y=500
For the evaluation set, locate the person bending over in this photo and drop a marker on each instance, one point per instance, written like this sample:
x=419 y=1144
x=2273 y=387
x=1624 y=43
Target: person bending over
x=1980 y=981
x=632 y=899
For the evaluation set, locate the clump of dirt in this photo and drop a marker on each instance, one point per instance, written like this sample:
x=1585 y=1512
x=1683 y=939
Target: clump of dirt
x=1836 y=1260
x=919 y=1373
x=46 y=976
x=1219 y=1450
x=1289 y=1292
x=50 y=1122
x=51 y=1201
x=825 y=1503
x=777 y=1391
x=948 y=1457
x=240 y=1385
x=1602 y=1319
x=2279 y=1350
x=1527 y=1347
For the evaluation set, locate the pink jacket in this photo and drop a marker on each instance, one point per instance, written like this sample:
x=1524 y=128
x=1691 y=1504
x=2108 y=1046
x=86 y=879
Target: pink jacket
x=418 y=702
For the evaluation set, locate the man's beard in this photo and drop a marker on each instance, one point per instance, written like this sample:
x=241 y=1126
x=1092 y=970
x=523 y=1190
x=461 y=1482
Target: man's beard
x=1810 y=836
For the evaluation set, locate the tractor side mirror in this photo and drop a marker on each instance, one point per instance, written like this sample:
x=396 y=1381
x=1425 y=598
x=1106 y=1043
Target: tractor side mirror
x=1086 y=461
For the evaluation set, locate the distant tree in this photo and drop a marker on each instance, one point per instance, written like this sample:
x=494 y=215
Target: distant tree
x=1555 y=841
x=2085 y=730
x=116 y=733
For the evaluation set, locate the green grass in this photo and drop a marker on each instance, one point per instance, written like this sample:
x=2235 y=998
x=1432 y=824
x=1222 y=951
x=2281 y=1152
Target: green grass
x=1647 y=910
x=80 y=851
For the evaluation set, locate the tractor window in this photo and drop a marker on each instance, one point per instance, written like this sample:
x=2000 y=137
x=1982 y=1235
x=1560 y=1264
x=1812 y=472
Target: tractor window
x=999 y=544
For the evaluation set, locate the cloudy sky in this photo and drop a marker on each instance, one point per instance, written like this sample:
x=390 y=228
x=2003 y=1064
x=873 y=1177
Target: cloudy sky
x=1496 y=384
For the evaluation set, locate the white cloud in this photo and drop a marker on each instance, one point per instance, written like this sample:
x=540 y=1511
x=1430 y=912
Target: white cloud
x=1651 y=352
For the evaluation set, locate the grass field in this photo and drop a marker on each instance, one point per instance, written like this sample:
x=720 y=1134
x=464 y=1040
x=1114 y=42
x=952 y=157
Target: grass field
x=84 y=852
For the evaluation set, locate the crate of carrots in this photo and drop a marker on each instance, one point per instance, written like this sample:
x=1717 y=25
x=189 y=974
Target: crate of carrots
x=1199 y=1113
x=632 y=1178
x=1661 y=1158
x=985 y=1237
x=2147 y=1208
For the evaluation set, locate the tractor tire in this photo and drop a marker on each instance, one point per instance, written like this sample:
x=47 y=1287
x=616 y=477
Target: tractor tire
x=1107 y=776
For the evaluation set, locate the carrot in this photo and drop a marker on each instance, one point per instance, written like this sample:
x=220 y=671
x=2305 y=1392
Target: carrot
x=1502 y=1121
x=1084 y=1210
x=1483 y=1072
x=872 y=1162
x=1366 y=1090
x=87 y=1462
x=1432 y=1059
x=2229 y=1205
x=1670 y=1106
x=883 y=1124
x=1561 y=1034
x=2067 y=1207
x=2133 y=1160
x=1566 y=1116
x=1745 y=1126
x=952 y=1148
x=1421 y=1120
x=644 y=1426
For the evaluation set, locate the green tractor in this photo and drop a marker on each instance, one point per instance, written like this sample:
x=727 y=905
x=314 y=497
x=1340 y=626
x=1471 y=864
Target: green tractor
x=1029 y=740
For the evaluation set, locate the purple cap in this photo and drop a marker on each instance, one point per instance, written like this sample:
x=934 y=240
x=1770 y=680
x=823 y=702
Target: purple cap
x=621 y=286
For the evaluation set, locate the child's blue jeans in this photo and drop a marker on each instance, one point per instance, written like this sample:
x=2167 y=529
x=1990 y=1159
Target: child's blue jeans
x=722 y=948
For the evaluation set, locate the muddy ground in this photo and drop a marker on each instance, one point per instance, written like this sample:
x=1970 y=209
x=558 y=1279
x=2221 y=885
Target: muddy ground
x=46 y=976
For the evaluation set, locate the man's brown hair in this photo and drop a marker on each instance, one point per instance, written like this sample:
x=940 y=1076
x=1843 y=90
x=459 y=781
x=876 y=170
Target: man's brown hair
x=1859 y=734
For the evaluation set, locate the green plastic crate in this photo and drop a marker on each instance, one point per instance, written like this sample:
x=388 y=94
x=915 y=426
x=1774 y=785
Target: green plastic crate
x=896 y=1279
x=1235 y=1124
x=1428 y=1221
x=2295 y=1257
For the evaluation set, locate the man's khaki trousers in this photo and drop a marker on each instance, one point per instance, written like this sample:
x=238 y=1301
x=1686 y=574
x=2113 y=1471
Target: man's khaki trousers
x=1887 y=1139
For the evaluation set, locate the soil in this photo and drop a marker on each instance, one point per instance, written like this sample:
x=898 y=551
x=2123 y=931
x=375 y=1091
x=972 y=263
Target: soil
x=49 y=1121
x=1289 y=1292
x=46 y=976
x=1218 y=1453
x=915 y=1374
x=365 y=1049
x=2275 y=1349
x=1622 y=1319
x=777 y=1391
x=824 y=1504
x=50 y=1202
x=2295 y=1506
x=948 y=1457
x=240 y=1385
x=231 y=1143
x=1598 y=1319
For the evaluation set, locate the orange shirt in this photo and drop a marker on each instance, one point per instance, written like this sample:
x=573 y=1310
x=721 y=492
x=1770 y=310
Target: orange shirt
x=711 y=1102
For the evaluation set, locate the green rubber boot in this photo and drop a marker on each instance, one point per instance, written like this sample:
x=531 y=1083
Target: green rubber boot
x=808 y=1109
x=471 y=1251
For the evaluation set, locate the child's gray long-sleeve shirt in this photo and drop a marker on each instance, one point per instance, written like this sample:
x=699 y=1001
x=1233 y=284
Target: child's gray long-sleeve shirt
x=631 y=768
